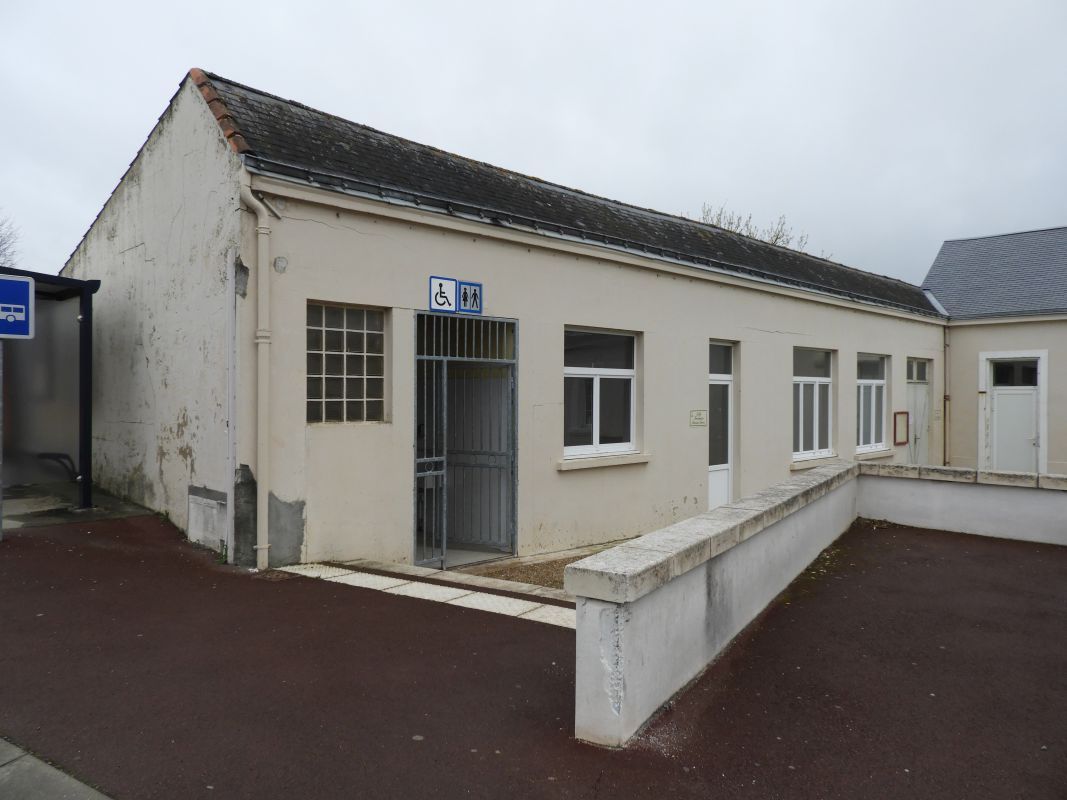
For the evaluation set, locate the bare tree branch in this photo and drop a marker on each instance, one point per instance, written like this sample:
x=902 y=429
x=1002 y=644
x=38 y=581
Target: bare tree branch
x=9 y=239
x=778 y=233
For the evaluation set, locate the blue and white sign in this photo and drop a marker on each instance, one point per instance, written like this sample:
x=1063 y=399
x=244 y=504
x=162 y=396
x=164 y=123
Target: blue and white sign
x=470 y=297
x=453 y=296
x=16 y=307
x=443 y=294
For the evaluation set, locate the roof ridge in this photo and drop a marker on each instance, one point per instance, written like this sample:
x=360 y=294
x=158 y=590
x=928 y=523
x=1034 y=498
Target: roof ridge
x=1009 y=233
x=226 y=120
x=644 y=209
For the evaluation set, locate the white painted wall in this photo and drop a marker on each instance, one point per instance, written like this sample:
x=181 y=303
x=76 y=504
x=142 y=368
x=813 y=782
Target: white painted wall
x=653 y=613
x=1006 y=512
x=966 y=409
x=357 y=478
x=159 y=248
x=633 y=657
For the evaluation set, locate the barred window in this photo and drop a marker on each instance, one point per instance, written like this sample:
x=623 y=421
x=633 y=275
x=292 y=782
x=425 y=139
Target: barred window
x=345 y=363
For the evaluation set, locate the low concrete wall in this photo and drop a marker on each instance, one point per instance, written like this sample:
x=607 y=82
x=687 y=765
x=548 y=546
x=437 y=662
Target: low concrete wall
x=654 y=612
x=1009 y=505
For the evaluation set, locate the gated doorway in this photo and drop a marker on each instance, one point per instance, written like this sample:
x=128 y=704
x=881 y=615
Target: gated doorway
x=465 y=439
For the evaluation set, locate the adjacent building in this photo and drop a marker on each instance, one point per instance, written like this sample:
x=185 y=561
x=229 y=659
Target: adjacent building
x=1006 y=299
x=319 y=341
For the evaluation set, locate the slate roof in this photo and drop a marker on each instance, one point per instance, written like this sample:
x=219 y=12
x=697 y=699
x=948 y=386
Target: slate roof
x=1012 y=274
x=286 y=138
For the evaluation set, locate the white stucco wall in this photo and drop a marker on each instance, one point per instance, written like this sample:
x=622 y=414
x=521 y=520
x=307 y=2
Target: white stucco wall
x=356 y=478
x=1028 y=514
x=634 y=655
x=160 y=249
x=966 y=342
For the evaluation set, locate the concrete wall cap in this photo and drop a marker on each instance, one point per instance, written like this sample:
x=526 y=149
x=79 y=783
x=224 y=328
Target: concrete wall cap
x=625 y=573
x=897 y=470
x=1058 y=482
x=1004 y=478
x=954 y=474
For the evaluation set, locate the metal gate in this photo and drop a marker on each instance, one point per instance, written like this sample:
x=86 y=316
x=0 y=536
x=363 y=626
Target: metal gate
x=465 y=438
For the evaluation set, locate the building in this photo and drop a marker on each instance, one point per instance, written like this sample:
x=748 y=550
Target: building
x=318 y=341
x=1006 y=298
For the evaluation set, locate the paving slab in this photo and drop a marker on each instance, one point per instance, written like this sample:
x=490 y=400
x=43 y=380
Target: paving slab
x=321 y=571
x=29 y=778
x=508 y=606
x=368 y=580
x=8 y=752
x=552 y=615
x=428 y=591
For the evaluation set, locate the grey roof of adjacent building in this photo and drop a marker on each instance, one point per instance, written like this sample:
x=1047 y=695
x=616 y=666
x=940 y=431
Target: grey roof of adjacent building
x=283 y=138
x=1012 y=274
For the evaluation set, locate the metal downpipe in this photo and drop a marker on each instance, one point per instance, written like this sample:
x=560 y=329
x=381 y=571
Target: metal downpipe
x=262 y=339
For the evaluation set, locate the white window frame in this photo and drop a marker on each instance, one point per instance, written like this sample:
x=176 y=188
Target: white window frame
x=913 y=369
x=874 y=386
x=596 y=373
x=798 y=380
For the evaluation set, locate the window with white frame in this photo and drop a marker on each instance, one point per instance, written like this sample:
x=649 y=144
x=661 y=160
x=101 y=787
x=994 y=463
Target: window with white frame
x=598 y=393
x=870 y=402
x=918 y=370
x=812 y=404
x=345 y=363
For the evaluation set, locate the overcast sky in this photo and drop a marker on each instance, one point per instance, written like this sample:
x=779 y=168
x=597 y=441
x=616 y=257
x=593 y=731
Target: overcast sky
x=880 y=128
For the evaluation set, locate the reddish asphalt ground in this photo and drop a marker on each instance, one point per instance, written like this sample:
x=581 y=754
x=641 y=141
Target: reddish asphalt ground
x=905 y=664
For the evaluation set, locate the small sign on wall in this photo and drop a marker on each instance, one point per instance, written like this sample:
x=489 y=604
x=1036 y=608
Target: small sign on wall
x=900 y=427
x=452 y=296
x=698 y=418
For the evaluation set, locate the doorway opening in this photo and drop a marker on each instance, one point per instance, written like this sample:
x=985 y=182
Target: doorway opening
x=465 y=439
x=720 y=424
x=919 y=372
x=1012 y=419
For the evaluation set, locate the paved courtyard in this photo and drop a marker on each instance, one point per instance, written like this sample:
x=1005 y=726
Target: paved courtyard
x=904 y=664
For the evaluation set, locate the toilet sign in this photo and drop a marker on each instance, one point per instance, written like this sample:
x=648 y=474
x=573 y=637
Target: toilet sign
x=16 y=307
x=470 y=297
x=452 y=296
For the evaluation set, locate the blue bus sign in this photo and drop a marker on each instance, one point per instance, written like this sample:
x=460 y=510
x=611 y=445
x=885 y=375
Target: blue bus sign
x=16 y=307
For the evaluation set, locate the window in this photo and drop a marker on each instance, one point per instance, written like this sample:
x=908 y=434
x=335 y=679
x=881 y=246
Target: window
x=598 y=393
x=345 y=363
x=870 y=403
x=918 y=370
x=720 y=359
x=1015 y=373
x=812 y=404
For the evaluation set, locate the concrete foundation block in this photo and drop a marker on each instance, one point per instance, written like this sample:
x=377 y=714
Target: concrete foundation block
x=896 y=470
x=951 y=474
x=1003 y=478
x=1059 y=482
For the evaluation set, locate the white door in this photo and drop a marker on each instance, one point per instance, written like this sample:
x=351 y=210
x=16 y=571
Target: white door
x=720 y=425
x=919 y=423
x=918 y=411
x=718 y=443
x=1014 y=428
